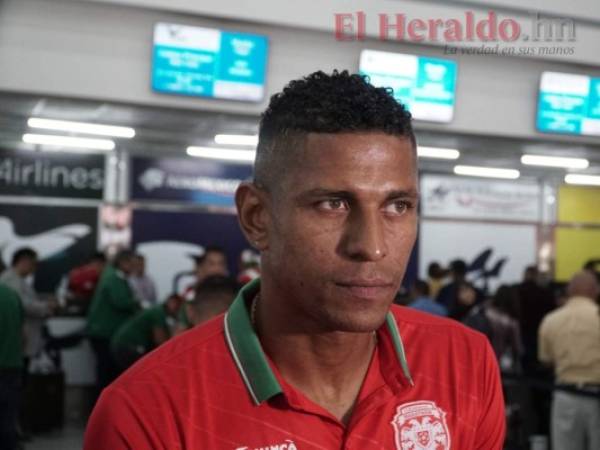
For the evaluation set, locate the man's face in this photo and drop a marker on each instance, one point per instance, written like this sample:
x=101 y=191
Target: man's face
x=342 y=226
x=214 y=263
x=28 y=266
x=126 y=265
x=138 y=266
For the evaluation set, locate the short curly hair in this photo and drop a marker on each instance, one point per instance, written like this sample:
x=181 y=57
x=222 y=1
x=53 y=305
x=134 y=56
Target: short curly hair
x=324 y=103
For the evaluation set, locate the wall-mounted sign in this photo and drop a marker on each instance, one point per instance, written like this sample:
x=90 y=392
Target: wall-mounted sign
x=569 y=103
x=426 y=86
x=208 y=62
x=199 y=181
x=51 y=174
x=465 y=198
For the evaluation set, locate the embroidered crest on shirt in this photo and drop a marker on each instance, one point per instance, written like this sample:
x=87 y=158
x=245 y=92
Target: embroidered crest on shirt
x=421 y=426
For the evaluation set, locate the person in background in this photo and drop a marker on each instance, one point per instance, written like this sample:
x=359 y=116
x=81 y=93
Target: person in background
x=82 y=280
x=144 y=332
x=535 y=301
x=569 y=341
x=593 y=266
x=24 y=263
x=422 y=300
x=11 y=365
x=212 y=262
x=447 y=295
x=249 y=267
x=493 y=319
x=459 y=295
x=142 y=284
x=213 y=297
x=436 y=276
x=113 y=303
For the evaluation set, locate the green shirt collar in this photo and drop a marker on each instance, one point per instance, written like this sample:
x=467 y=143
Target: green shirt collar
x=250 y=358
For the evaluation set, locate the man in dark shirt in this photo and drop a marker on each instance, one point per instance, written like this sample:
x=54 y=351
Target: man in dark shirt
x=11 y=365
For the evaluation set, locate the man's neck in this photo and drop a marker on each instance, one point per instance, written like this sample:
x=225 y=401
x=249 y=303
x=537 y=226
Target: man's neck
x=327 y=367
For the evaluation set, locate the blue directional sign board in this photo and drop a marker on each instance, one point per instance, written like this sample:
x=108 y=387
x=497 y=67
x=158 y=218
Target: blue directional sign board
x=208 y=62
x=569 y=103
x=426 y=86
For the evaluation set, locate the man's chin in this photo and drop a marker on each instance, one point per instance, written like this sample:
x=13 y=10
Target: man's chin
x=356 y=322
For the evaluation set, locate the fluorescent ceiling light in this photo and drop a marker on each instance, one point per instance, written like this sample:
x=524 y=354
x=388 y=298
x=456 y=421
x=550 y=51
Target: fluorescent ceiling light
x=68 y=141
x=488 y=172
x=224 y=154
x=437 y=152
x=81 y=127
x=236 y=139
x=555 y=161
x=585 y=180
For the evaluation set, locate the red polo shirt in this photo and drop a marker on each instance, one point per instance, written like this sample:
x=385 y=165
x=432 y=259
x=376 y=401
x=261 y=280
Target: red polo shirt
x=214 y=388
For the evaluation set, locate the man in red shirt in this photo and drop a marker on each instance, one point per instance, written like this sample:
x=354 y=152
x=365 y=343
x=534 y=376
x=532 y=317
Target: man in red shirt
x=313 y=355
x=84 y=279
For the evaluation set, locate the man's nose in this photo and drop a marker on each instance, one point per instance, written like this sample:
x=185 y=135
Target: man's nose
x=364 y=238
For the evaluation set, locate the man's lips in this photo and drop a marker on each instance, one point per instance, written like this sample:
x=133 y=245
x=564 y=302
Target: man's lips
x=367 y=289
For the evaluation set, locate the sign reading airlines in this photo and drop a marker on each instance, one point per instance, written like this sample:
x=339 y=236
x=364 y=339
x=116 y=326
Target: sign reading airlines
x=426 y=86
x=208 y=62
x=569 y=103
x=51 y=174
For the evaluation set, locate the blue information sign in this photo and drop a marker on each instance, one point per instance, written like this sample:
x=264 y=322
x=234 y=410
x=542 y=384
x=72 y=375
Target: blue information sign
x=426 y=86
x=569 y=103
x=209 y=62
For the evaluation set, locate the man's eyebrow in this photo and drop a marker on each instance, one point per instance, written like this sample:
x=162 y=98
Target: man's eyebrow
x=324 y=192
x=400 y=193
x=341 y=193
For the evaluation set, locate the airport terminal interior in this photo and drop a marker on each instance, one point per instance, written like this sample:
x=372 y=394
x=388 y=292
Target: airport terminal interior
x=126 y=127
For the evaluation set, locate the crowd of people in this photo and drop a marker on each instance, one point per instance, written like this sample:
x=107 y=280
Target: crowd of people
x=125 y=318
x=532 y=325
x=545 y=335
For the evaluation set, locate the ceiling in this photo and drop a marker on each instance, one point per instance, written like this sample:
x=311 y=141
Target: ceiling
x=162 y=131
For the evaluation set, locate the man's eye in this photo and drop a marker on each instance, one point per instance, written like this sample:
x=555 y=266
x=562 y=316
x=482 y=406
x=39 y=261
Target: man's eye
x=333 y=205
x=398 y=208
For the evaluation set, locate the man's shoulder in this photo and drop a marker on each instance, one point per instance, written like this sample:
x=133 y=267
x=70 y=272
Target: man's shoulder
x=181 y=355
x=433 y=327
x=9 y=298
x=9 y=277
x=556 y=317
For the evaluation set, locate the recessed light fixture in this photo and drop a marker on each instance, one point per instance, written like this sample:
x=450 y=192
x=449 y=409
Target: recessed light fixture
x=584 y=180
x=223 y=154
x=69 y=142
x=437 y=152
x=236 y=139
x=555 y=161
x=487 y=172
x=81 y=127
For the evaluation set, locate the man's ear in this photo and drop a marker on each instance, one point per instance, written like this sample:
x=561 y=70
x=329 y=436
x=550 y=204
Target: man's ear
x=253 y=216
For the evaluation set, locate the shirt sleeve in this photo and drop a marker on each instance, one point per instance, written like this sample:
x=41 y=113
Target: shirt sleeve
x=491 y=428
x=32 y=305
x=120 y=296
x=116 y=424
